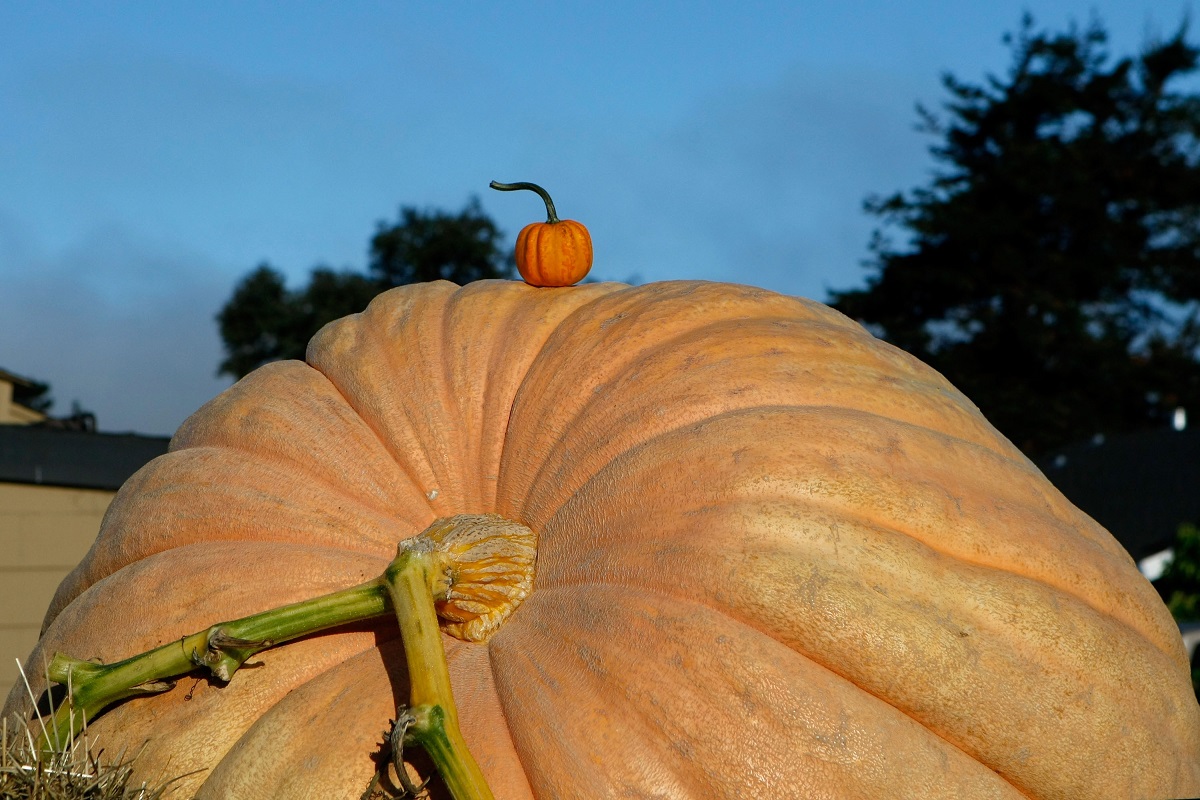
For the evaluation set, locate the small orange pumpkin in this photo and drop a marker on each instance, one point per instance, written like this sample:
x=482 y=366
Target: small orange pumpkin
x=557 y=252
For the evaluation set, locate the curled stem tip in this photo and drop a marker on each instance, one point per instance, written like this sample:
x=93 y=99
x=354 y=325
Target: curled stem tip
x=551 y=215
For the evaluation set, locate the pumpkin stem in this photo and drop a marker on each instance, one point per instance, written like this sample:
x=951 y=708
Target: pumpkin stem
x=221 y=649
x=551 y=216
x=431 y=719
x=462 y=576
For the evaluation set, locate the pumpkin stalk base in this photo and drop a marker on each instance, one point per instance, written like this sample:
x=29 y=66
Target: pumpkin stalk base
x=416 y=580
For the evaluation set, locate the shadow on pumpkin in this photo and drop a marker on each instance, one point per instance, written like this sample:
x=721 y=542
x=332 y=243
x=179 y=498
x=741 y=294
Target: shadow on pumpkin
x=420 y=767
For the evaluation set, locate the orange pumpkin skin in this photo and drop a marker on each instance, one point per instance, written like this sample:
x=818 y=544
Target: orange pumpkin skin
x=777 y=559
x=555 y=253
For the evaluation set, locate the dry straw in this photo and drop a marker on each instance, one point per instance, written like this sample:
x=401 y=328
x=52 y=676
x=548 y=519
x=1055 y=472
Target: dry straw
x=72 y=770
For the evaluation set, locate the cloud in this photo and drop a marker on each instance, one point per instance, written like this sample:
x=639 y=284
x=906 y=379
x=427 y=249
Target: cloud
x=122 y=325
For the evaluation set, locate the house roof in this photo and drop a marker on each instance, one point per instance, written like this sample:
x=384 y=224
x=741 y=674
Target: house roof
x=15 y=379
x=1141 y=486
x=38 y=455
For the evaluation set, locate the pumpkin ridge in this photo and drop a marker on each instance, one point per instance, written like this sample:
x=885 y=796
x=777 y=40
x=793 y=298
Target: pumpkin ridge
x=399 y=457
x=108 y=554
x=736 y=616
x=490 y=391
x=419 y=310
x=265 y=720
x=342 y=489
x=848 y=512
x=313 y=551
x=467 y=487
x=1058 y=507
x=514 y=402
x=588 y=406
x=515 y=336
x=635 y=584
x=588 y=416
x=263 y=418
x=528 y=756
x=580 y=337
x=199 y=785
x=401 y=463
x=378 y=438
x=423 y=454
x=653 y=719
x=370 y=511
x=1163 y=639
x=153 y=627
x=896 y=525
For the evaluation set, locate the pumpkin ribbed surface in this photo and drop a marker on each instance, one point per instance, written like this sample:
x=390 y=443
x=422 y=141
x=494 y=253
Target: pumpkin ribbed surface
x=776 y=558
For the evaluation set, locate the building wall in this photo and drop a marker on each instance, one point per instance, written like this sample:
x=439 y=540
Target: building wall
x=14 y=413
x=44 y=532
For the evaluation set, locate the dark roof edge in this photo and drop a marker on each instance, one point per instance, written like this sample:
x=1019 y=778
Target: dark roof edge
x=74 y=459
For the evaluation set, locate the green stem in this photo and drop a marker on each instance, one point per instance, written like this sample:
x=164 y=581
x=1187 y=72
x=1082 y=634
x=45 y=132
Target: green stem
x=551 y=216
x=417 y=574
x=488 y=560
x=443 y=742
x=220 y=648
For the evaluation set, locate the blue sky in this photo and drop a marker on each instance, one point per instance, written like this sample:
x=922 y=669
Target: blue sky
x=153 y=153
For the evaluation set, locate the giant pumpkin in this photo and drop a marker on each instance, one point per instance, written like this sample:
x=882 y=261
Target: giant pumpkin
x=776 y=558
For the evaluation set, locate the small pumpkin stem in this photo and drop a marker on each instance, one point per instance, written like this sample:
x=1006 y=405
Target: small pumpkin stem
x=551 y=216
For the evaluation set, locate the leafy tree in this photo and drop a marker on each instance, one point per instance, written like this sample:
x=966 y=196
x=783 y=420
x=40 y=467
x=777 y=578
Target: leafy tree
x=265 y=321
x=1051 y=267
x=34 y=395
x=1179 y=584
x=425 y=246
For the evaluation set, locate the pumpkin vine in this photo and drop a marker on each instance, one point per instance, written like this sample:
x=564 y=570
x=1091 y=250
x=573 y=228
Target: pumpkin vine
x=463 y=575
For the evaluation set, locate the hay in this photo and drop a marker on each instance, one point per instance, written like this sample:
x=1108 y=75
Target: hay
x=75 y=770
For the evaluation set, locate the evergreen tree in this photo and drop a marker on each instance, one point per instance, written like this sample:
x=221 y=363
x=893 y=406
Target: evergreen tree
x=1051 y=267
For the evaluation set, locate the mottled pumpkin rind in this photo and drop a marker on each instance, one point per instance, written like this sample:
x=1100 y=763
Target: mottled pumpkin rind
x=777 y=558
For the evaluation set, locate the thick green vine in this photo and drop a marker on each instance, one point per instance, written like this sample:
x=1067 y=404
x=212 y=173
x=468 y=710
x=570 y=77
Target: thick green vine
x=463 y=575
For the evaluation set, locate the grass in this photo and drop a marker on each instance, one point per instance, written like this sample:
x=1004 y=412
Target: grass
x=74 y=770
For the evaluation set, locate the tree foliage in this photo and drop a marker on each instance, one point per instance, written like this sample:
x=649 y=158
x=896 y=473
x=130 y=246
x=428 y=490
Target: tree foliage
x=1179 y=584
x=425 y=246
x=266 y=321
x=35 y=395
x=1051 y=267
